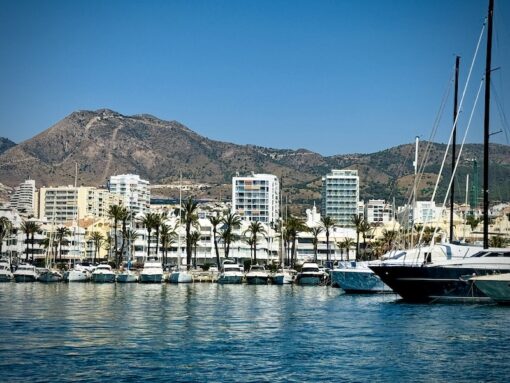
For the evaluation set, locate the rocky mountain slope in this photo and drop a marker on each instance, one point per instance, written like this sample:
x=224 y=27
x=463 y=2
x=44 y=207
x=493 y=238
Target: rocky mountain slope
x=104 y=143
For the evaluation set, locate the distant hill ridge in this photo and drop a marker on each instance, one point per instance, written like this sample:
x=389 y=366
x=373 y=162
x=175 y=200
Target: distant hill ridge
x=104 y=143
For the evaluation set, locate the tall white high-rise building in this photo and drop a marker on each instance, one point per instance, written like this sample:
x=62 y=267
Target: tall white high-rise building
x=340 y=196
x=133 y=190
x=256 y=198
x=23 y=198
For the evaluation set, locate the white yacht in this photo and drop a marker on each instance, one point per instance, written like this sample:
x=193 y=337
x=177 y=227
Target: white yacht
x=257 y=275
x=26 y=273
x=5 y=272
x=230 y=273
x=356 y=277
x=79 y=273
x=47 y=275
x=103 y=274
x=310 y=275
x=283 y=277
x=152 y=272
x=495 y=286
x=127 y=276
x=180 y=276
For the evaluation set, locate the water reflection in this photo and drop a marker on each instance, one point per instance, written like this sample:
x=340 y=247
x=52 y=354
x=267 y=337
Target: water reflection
x=210 y=332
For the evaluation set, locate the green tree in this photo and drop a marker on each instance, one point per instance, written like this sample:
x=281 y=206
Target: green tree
x=231 y=222
x=130 y=237
x=62 y=233
x=215 y=221
x=364 y=229
x=498 y=241
x=254 y=230
x=150 y=221
x=5 y=231
x=167 y=237
x=472 y=221
x=357 y=221
x=294 y=225
x=190 y=218
x=194 y=239
x=327 y=224
x=116 y=213
x=315 y=240
x=29 y=228
x=98 y=239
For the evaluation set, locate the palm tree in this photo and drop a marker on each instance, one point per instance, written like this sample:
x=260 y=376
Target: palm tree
x=215 y=221
x=98 y=240
x=231 y=221
x=5 y=230
x=388 y=239
x=62 y=233
x=130 y=237
x=167 y=237
x=35 y=228
x=294 y=225
x=29 y=228
x=250 y=242
x=194 y=239
x=190 y=219
x=159 y=219
x=125 y=216
x=116 y=212
x=347 y=243
x=315 y=240
x=107 y=245
x=254 y=230
x=327 y=224
x=498 y=241
x=357 y=221
x=364 y=229
x=472 y=221
x=150 y=220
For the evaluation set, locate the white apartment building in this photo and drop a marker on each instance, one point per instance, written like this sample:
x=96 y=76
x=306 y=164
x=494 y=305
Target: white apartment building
x=256 y=198
x=340 y=196
x=23 y=198
x=134 y=191
x=378 y=211
x=67 y=204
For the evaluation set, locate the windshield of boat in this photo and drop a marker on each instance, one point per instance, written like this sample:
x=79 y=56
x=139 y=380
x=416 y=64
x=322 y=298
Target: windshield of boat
x=492 y=254
x=310 y=270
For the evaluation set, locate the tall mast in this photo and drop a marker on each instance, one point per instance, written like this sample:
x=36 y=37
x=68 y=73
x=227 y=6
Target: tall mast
x=486 y=128
x=454 y=143
x=413 y=207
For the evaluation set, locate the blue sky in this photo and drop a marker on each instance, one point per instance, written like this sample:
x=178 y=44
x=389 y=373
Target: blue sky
x=334 y=77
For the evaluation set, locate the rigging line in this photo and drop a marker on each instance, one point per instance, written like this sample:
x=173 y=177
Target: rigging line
x=459 y=110
x=456 y=119
x=501 y=111
x=460 y=150
x=426 y=154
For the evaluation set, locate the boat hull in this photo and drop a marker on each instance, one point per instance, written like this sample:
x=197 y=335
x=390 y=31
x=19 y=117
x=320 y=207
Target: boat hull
x=127 y=278
x=426 y=284
x=6 y=277
x=103 y=278
x=77 y=276
x=257 y=280
x=151 y=278
x=50 y=277
x=358 y=281
x=495 y=287
x=180 y=277
x=25 y=278
x=230 y=279
x=309 y=280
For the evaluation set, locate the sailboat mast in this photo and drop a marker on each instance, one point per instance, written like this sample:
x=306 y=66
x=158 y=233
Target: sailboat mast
x=454 y=143
x=486 y=128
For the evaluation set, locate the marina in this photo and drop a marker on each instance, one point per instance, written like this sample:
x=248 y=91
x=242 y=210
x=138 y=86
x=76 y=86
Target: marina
x=229 y=333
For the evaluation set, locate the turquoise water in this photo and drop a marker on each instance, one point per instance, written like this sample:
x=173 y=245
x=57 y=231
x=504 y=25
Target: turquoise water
x=236 y=333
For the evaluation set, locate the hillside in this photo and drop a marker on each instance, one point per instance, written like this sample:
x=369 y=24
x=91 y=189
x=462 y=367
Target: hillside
x=105 y=142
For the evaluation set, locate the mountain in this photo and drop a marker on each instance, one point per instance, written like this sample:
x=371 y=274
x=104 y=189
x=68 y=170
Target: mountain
x=103 y=143
x=5 y=144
